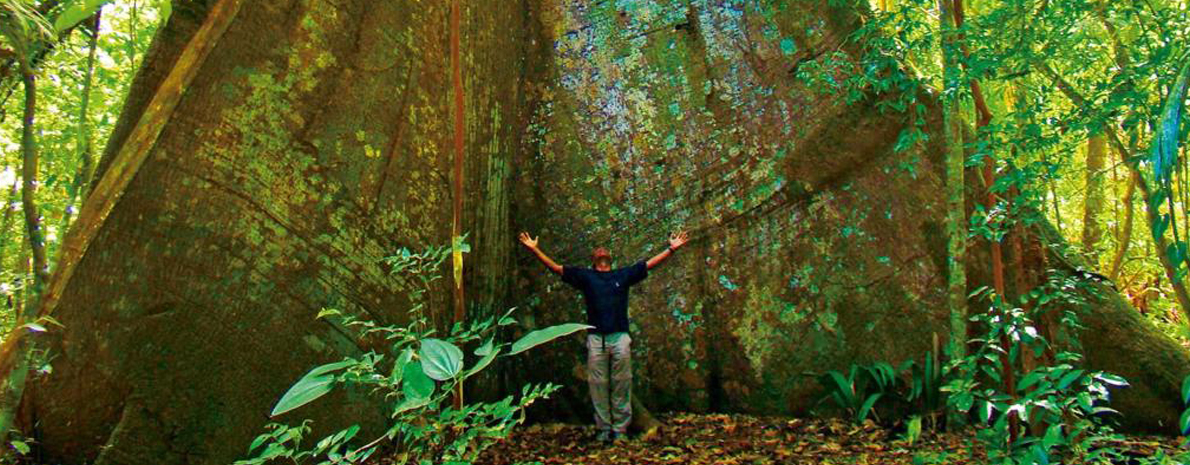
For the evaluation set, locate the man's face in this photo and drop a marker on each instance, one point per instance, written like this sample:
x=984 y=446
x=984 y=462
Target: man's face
x=602 y=259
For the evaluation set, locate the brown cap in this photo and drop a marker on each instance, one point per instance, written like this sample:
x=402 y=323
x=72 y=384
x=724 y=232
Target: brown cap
x=601 y=252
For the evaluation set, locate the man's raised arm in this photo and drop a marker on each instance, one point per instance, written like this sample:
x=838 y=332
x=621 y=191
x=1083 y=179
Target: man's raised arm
x=676 y=241
x=531 y=244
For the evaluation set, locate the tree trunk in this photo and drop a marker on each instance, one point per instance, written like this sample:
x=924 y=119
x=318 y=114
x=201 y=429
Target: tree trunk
x=1125 y=238
x=956 y=221
x=14 y=385
x=1093 y=199
x=314 y=138
x=86 y=170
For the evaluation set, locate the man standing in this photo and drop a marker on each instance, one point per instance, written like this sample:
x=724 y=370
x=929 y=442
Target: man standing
x=605 y=292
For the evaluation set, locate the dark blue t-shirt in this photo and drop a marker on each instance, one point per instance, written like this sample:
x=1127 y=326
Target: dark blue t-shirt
x=606 y=294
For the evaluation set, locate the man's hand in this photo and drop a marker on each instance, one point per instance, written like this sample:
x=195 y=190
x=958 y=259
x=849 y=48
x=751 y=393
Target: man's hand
x=678 y=239
x=528 y=241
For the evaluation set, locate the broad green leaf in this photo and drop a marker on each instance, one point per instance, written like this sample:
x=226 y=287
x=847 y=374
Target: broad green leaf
x=1185 y=422
x=313 y=385
x=483 y=362
x=440 y=360
x=1165 y=141
x=542 y=336
x=75 y=12
x=1186 y=390
x=399 y=367
x=21 y=447
x=417 y=384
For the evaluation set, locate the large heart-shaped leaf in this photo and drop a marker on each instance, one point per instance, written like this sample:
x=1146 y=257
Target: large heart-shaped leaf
x=440 y=360
x=313 y=385
x=542 y=336
x=416 y=383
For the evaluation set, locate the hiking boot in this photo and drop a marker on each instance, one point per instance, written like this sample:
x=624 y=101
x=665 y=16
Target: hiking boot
x=604 y=437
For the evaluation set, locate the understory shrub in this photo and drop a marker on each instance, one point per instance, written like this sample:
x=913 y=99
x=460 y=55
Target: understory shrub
x=416 y=375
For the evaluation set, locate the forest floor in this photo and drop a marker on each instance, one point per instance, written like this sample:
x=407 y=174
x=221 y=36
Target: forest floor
x=739 y=439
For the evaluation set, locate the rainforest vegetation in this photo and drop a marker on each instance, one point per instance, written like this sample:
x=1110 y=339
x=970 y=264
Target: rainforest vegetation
x=286 y=231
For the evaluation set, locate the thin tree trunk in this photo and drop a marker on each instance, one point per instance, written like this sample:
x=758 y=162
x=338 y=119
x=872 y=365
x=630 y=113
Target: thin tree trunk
x=956 y=224
x=459 y=142
x=1093 y=199
x=9 y=208
x=984 y=118
x=86 y=170
x=16 y=378
x=1054 y=195
x=1125 y=237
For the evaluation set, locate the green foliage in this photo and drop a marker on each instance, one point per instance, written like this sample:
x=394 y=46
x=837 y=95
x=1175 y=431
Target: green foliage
x=857 y=391
x=315 y=384
x=541 y=336
x=74 y=12
x=1068 y=403
x=1184 y=421
x=416 y=377
x=925 y=386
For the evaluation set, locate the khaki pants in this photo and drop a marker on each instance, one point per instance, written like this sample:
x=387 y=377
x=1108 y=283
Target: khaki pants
x=610 y=356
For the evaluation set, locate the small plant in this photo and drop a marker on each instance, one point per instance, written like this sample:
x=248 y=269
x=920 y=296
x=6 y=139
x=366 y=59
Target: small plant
x=858 y=390
x=925 y=387
x=1066 y=403
x=417 y=376
x=1184 y=422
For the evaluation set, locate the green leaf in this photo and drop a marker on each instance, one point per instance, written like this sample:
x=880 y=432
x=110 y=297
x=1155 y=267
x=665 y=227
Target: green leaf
x=1069 y=378
x=843 y=387
x=1185 y=422
x=21 y=447
x=1029 y=380
x=399 y=366
x=1186 y=390
x=258 y=441
x=313 y=385
x=75 y=12
x=326 y=311
x=410 y=403
x=483 y=362
x=542 y=336
x=417 y=384
x=486 y=348
x=1113 y=379
x=440 y=360
x=867 y=407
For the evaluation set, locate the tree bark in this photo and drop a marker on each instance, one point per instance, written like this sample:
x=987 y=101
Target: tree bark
x=1093 y=199
x=314 y=139
x=1125 y=238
